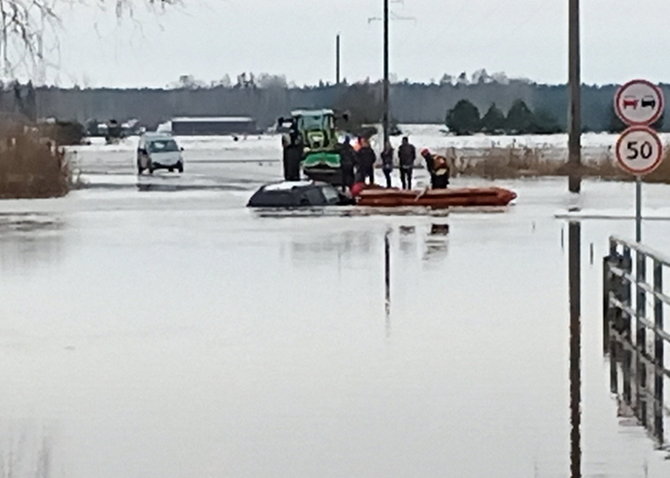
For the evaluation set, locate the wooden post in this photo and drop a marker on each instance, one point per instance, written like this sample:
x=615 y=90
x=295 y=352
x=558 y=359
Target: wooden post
x=337 y=59
x=626 y=330
x=658 y=354
x=609 y=319
x=640 y=338
x=574 y=111
x=606 y=303
x=386 y=86
x=387 y=280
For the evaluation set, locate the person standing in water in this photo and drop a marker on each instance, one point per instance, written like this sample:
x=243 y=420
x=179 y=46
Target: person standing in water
x=348 y=156
x=406 y=158
x=387 y=162
x=365 y=161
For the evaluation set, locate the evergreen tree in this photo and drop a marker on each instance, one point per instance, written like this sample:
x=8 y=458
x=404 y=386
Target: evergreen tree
x=520 y=119
x=544 y=123
x=493 y=120
x=660 y=124
x=615 y=123
x=31 y=102
x=464 y=118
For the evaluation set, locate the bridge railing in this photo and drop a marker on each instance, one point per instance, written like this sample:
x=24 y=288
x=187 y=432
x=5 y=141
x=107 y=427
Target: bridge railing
x=635 y=336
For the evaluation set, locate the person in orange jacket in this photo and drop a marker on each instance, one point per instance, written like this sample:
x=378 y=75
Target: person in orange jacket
x=438 y=167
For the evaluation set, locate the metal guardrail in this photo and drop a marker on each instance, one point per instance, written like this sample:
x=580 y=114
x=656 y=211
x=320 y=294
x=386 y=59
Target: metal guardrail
x=634 y=340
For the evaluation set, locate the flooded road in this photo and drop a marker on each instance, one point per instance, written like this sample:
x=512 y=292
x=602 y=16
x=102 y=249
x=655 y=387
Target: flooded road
x=174 y=333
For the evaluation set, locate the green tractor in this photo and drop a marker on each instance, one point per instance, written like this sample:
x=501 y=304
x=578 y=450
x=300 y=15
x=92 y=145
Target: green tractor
x=312 y=142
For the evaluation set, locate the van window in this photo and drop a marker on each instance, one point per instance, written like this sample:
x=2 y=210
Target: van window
x=163 y=146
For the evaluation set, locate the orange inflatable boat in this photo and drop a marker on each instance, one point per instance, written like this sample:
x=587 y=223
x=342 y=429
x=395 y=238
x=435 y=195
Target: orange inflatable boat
x=436 y=198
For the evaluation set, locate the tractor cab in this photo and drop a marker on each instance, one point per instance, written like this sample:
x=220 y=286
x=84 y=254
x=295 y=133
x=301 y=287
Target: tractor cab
x=317 y=128
x=314 y=129
x=312 y=142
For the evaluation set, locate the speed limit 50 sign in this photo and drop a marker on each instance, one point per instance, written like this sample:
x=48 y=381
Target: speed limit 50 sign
x=639 y=150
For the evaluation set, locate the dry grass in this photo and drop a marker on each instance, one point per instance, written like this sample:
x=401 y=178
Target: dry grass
x=31 y=167
x=516 y=162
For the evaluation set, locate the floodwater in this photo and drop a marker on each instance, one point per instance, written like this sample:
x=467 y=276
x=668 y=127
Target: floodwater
x=169 y=332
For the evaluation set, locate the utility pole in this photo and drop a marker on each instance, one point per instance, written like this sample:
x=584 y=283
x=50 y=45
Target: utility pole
x=575 y=108
x=386 y=87
x=337 y=59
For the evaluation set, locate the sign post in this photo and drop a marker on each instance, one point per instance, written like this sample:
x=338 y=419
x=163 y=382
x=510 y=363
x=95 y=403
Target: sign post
x=638 y=209
x=639 y=149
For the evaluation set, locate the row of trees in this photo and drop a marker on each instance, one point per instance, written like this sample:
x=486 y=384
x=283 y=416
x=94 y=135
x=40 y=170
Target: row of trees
x=464 y=118
x=410 y=103
x=268 y=80
x=243 y=80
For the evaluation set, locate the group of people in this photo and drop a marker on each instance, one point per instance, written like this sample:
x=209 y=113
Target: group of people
x=358 y=164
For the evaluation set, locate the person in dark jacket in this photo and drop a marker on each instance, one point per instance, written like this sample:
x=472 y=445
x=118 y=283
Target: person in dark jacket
x=365 y=161
x=406 y=158
x=438 y=167
x=348 y=162
x=292 y=156
x=387 y=163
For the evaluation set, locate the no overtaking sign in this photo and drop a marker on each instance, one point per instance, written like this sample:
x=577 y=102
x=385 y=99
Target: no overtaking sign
x=639 y=103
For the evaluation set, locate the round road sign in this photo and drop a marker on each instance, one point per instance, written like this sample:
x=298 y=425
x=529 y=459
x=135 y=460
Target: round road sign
x=639 y=102
x=639 y=150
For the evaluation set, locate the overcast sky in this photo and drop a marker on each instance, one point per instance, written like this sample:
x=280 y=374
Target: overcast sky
x=622 y=39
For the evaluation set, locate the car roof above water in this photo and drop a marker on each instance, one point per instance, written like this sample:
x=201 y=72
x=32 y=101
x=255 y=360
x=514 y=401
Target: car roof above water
x=295 y=194
x=288 y=185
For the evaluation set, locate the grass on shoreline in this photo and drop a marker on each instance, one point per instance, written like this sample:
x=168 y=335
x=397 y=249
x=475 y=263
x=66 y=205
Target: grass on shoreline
x=31 y=167
x=515 y=162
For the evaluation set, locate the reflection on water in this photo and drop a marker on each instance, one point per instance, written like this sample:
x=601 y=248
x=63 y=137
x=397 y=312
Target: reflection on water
x=349 y=211
x=355 y=243
x=436 y=242
x=407 y=240
x=347 y=243
x=575 y=349
x=25 y=451
x=387 y=280
x=30 y=238
x=357 y=246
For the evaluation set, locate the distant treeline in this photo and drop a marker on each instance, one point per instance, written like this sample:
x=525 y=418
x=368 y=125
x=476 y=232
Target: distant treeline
x=411 y=102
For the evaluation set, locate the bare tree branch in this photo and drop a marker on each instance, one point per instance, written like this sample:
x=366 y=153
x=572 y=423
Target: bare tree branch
x=25 y=25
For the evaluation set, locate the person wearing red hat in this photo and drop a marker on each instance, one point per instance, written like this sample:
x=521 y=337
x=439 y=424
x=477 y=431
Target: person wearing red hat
x=425 y=153
x=438 y=167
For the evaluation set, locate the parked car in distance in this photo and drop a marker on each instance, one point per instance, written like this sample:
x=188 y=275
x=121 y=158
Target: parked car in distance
x=159 y=151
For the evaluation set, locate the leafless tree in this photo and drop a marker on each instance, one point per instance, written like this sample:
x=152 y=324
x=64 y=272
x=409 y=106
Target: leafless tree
x=25 y=26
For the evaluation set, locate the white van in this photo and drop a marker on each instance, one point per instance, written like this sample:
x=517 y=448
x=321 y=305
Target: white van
x=159 y=151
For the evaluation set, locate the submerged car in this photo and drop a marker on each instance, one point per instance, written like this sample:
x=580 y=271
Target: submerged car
x=159 y=151
x=290 y=194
